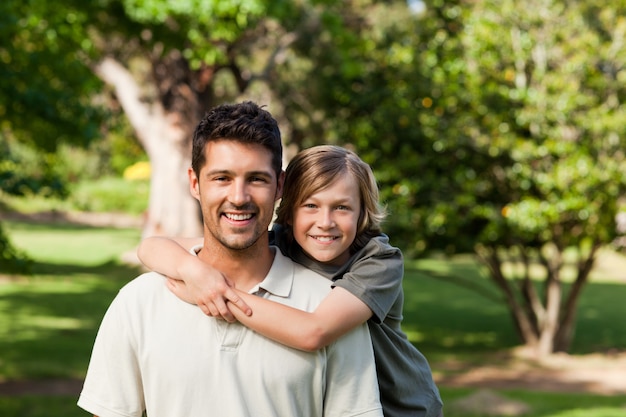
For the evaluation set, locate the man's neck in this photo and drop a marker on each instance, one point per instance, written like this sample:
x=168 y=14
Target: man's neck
x=244 y=268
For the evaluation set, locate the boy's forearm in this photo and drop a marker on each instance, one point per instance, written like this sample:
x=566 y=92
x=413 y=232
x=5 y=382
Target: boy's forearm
x=166 y=256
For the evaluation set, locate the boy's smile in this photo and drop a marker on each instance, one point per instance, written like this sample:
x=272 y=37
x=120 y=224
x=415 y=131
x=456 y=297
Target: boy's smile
x=325 y=224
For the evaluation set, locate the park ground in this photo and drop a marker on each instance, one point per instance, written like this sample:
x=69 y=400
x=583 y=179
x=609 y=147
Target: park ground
x=598 y=373
x=603 y=374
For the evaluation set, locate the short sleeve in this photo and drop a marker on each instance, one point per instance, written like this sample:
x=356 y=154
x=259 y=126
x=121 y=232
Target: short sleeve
x=113 y=385
x=375 y=276
x=351 y=383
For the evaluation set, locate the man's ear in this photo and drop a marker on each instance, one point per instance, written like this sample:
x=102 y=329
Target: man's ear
x=281 y=184
x=194 y=185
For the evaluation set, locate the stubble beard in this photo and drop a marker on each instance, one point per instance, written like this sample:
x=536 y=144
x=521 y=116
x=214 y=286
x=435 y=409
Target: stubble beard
x=235 y=240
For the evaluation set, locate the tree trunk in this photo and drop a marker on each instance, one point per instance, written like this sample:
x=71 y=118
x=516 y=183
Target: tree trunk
x=525 y=329
x=171 y=210
x=564 y=337
x=545 y=325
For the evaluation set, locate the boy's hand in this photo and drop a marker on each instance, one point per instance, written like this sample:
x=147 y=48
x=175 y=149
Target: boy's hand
x=210 y=293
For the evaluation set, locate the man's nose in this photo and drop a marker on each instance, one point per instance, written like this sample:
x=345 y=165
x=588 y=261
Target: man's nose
x=239 y=194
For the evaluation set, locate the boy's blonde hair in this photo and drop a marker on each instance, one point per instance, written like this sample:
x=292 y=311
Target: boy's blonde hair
x=314 y=169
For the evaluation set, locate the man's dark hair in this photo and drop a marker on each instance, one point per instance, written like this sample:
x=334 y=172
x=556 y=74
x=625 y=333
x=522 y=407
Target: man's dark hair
x=244 y=122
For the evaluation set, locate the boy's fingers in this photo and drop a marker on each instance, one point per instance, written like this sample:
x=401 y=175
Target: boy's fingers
x=238 y=302
x=223 y=311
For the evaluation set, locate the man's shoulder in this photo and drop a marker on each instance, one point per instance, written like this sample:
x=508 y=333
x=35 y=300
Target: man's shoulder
x=144 y=284
x=302 y=275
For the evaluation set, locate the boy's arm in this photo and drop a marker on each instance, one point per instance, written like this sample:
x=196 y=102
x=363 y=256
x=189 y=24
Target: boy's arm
x=204 y=285
x=336 y=315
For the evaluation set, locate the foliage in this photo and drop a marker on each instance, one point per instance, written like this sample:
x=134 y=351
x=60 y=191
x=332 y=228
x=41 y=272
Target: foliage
x=104 y=195
x=12 y=260
x=544 y=118
x=45 y=85
x=24 y=171
x=111 y=194
x=123 y=149
x=494 y=127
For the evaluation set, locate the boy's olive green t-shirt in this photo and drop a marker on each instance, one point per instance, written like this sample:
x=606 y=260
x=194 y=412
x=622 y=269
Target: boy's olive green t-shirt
x=374 y=274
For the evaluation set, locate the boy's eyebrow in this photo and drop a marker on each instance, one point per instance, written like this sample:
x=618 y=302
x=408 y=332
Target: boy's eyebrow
x=334 y=200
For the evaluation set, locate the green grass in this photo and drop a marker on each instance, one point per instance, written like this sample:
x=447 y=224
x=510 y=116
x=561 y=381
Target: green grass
x=40 y=406
x=59 y=244
x=451 y=306
x=48 y=320
x=542 y=404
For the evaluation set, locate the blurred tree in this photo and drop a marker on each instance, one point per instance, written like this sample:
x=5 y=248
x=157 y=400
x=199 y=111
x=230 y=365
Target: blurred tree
x=169 y=61
x=543 y=106
x=46 y=90
x=45 y=96
x=498 y=127
x=493 y=127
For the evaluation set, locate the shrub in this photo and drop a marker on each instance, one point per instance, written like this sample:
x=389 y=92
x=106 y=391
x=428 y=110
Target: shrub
x=12 y=260
x=24 y=171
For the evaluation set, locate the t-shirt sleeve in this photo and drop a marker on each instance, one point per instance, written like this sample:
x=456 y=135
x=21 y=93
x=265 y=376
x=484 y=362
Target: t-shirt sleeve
x=351 y=383
x=113 y=386
x=375 y=276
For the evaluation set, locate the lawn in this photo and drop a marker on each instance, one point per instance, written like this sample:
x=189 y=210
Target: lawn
x=48 y=320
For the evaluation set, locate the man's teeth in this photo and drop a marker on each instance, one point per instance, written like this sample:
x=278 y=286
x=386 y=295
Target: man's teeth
x=239 y=217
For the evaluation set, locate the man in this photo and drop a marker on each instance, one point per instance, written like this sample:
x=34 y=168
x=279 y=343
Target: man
x=154 y=353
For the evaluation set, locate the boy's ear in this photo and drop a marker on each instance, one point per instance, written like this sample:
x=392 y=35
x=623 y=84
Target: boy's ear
x=194 y=186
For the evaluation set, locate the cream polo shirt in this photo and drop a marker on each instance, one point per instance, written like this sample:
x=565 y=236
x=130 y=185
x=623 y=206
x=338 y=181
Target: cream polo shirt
x=157 y=353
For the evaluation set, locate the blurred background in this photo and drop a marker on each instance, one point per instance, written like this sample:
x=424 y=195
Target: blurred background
x=496 y=131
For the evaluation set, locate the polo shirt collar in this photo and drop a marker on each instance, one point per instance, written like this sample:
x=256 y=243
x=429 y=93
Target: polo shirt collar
x=279 y=279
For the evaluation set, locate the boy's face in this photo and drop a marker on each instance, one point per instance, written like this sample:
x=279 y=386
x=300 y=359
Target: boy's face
x=237 y=189
x=325 y=224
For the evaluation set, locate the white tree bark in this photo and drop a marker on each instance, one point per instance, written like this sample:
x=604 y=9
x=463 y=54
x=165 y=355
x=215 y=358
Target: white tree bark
x=171 y=210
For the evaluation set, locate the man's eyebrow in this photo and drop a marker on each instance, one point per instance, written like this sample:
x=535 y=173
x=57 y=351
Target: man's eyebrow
x=219 y=172
x=260 y=173
x=232 y=173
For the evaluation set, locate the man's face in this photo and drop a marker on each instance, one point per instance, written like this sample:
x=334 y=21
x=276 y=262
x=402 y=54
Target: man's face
x=237 y=189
